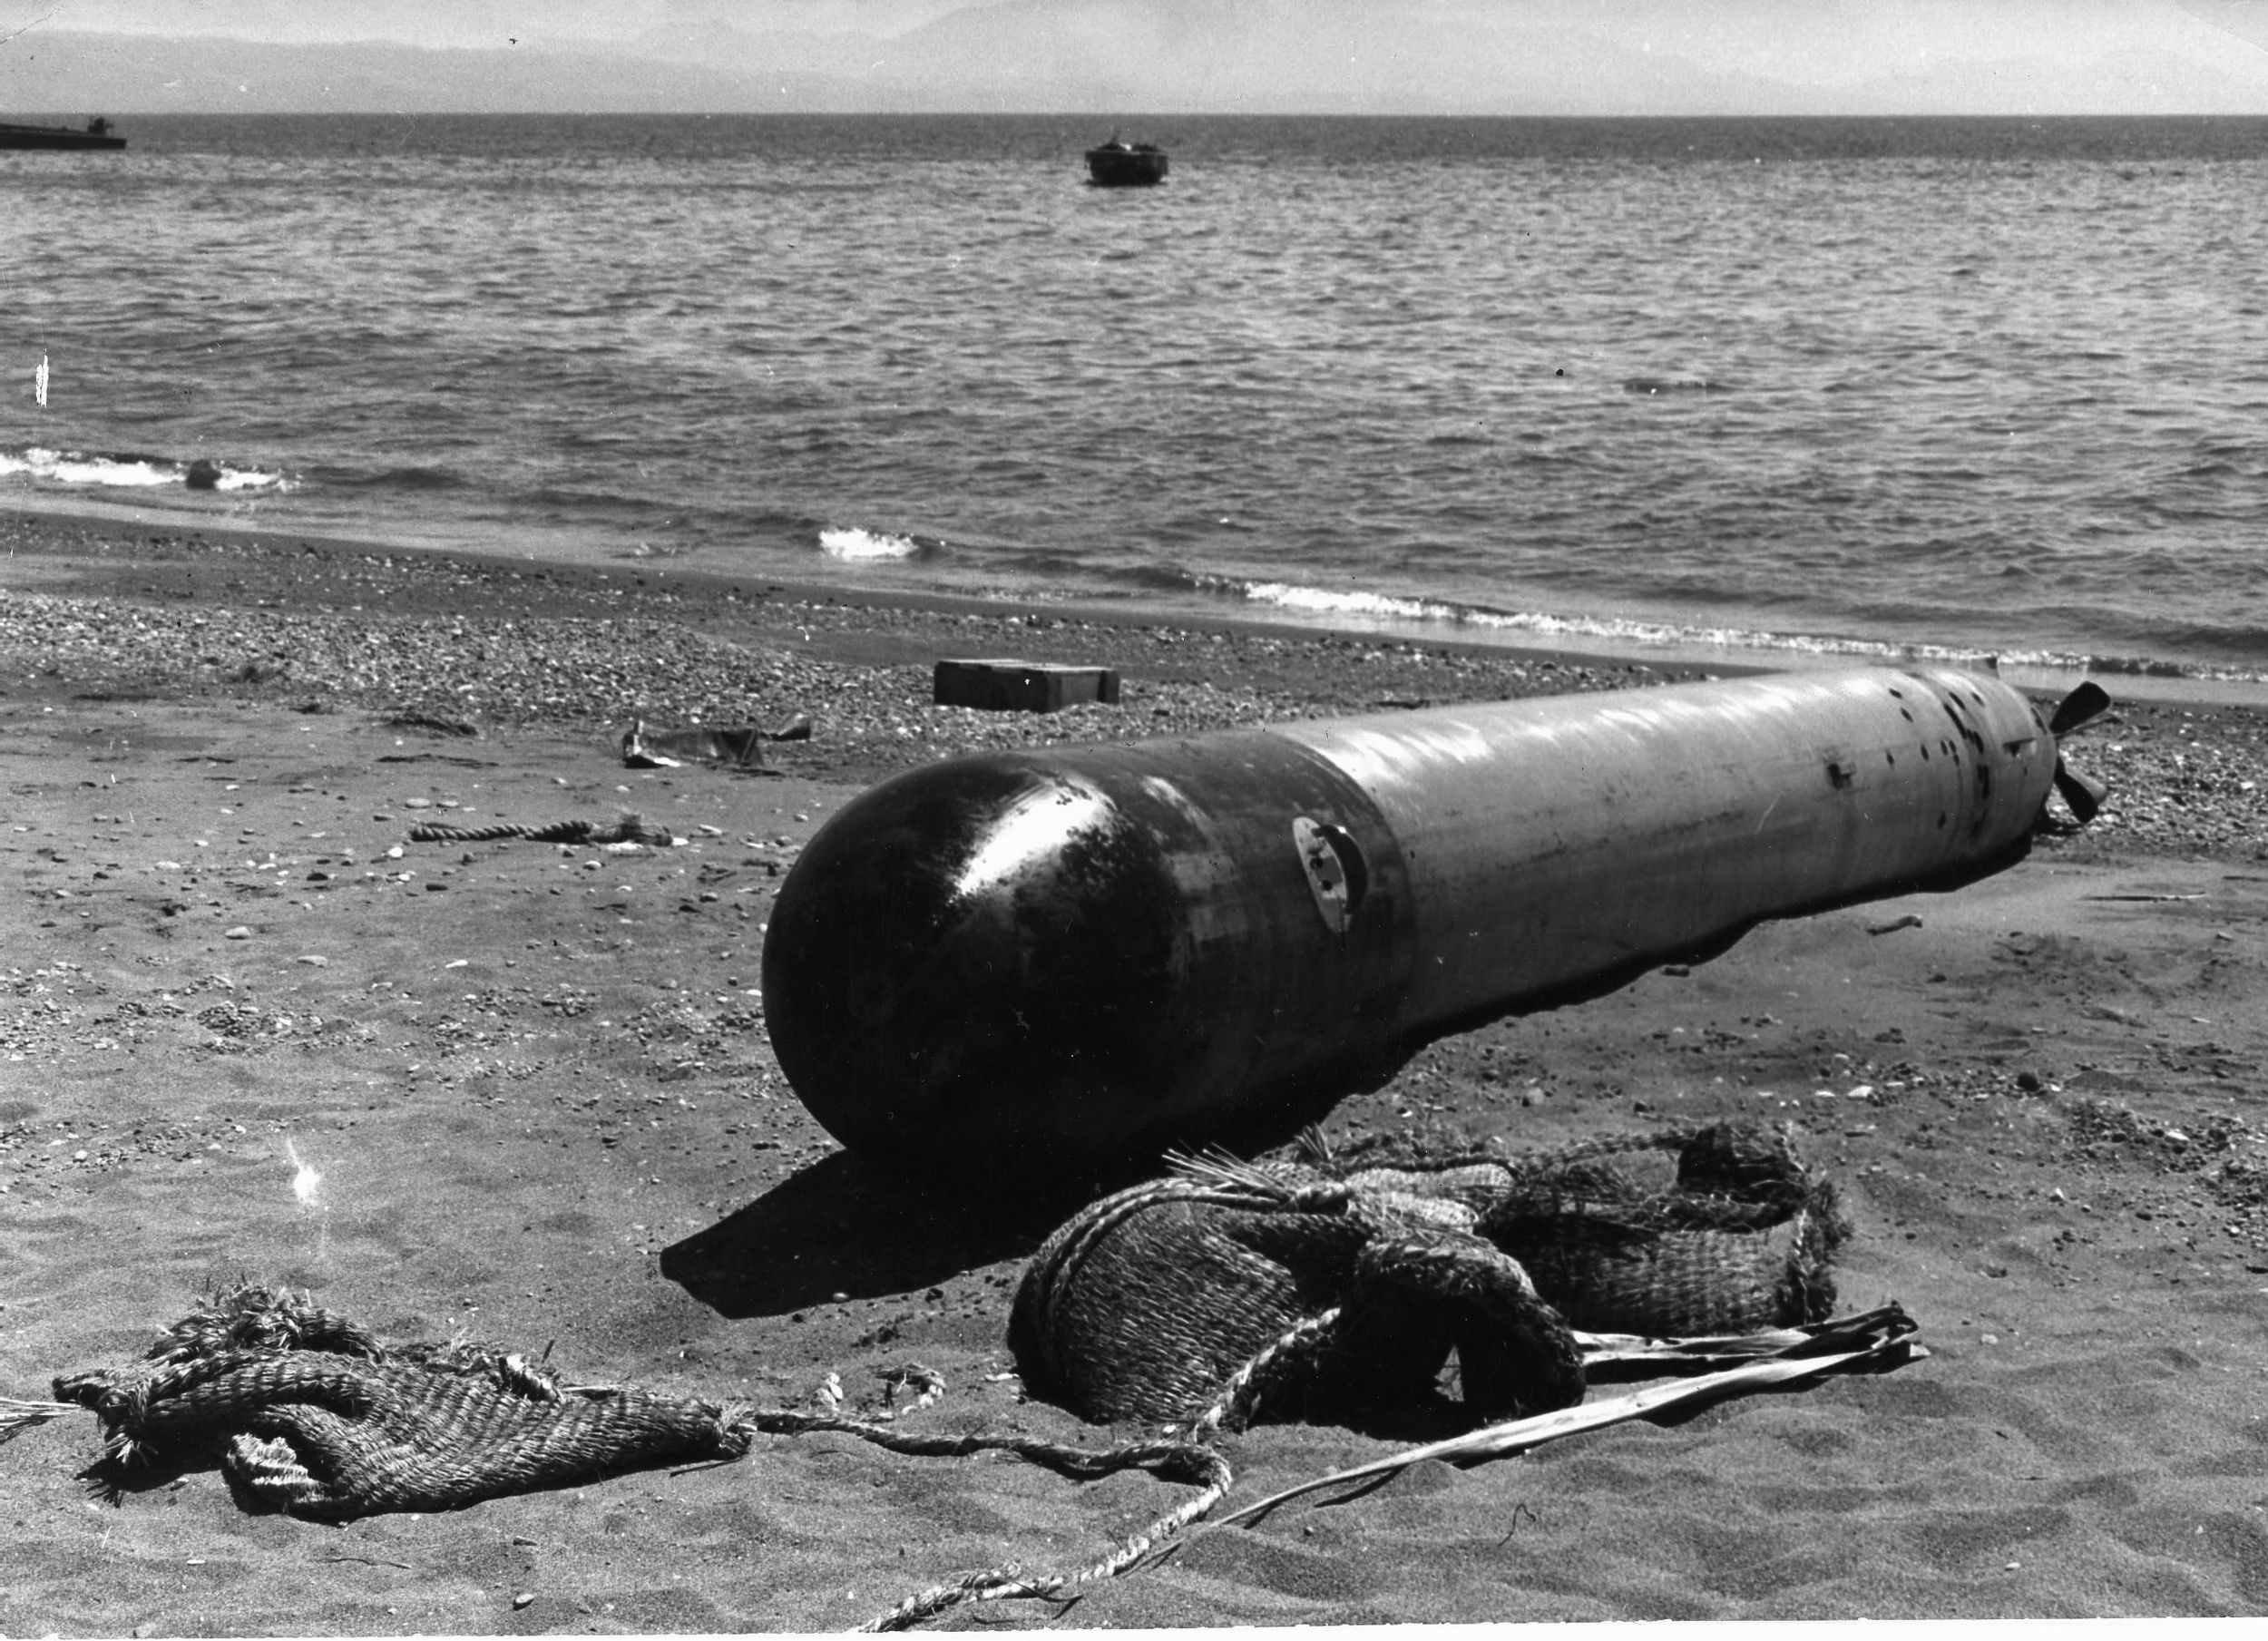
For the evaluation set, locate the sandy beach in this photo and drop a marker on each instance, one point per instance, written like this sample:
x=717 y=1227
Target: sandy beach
x=535 y=1082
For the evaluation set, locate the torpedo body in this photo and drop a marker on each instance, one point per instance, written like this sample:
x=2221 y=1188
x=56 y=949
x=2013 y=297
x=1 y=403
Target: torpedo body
x=1087 y=953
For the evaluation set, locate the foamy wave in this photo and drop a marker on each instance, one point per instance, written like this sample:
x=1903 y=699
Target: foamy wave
x=1323 y=601
x=133 y=472
x=860 y=545
x=244 y=478
x=69 y=467
x=1613 y=630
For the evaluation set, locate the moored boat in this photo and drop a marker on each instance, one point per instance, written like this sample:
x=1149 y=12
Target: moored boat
x=1122 y=164
x=97 y=133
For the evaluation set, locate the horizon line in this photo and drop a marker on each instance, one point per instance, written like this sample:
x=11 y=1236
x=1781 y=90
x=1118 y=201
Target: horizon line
x=1122 y=114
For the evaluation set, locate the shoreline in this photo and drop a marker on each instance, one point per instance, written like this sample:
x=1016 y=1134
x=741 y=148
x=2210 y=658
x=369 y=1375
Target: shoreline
x=695 y=579
x=491 y=639
x=117 y=522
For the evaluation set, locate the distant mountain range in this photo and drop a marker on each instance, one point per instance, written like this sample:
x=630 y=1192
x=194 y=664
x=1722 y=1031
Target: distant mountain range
x=1320 y=56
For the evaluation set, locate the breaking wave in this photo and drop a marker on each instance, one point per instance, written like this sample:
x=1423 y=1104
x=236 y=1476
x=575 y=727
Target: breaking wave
x=135 y=472
x=1622 y=631
x=867 y=546
x=1319 y=601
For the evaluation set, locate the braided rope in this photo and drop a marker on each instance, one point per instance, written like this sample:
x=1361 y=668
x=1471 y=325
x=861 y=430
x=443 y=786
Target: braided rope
x=1172 y=1460
x=1241 y=1391
x=630 y=829
x=557 y=832
x=1078 y=1463
x=1232 y=1408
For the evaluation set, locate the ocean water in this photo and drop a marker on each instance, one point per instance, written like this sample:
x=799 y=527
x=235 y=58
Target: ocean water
x=1961 y=386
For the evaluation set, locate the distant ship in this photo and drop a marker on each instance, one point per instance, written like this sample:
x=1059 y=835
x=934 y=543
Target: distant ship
x=97 y=134
x=1122 y=164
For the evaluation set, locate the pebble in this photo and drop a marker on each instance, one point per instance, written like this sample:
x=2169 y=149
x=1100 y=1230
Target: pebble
x=2183 y=781
x=515 y=668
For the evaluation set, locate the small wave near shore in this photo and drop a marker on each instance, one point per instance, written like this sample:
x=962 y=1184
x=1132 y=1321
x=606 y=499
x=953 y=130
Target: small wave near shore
x=73 y=469
x=1625 y=635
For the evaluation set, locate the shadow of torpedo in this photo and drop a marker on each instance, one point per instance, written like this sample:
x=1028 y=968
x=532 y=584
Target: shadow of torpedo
x=848 y=1226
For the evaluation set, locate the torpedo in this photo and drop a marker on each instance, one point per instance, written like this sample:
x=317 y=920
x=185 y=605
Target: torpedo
x=1080 y=956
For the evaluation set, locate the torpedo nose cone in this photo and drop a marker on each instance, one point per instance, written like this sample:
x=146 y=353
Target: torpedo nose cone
x=973 y=960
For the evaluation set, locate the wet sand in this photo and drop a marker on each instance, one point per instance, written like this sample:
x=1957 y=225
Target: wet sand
x=536 y=1086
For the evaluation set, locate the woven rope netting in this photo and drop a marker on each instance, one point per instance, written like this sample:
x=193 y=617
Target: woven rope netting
x=1225 y=1292
x=322 y=1420
x=1143 y=1303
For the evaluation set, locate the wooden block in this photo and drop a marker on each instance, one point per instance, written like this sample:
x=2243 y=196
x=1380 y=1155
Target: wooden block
x=1000 y=686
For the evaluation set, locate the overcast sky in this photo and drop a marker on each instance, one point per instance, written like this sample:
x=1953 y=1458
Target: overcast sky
x=1662 y=57
x=470 y=23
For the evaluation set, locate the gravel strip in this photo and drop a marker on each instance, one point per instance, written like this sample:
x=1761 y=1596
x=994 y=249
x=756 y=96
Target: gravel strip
x=485 y=642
